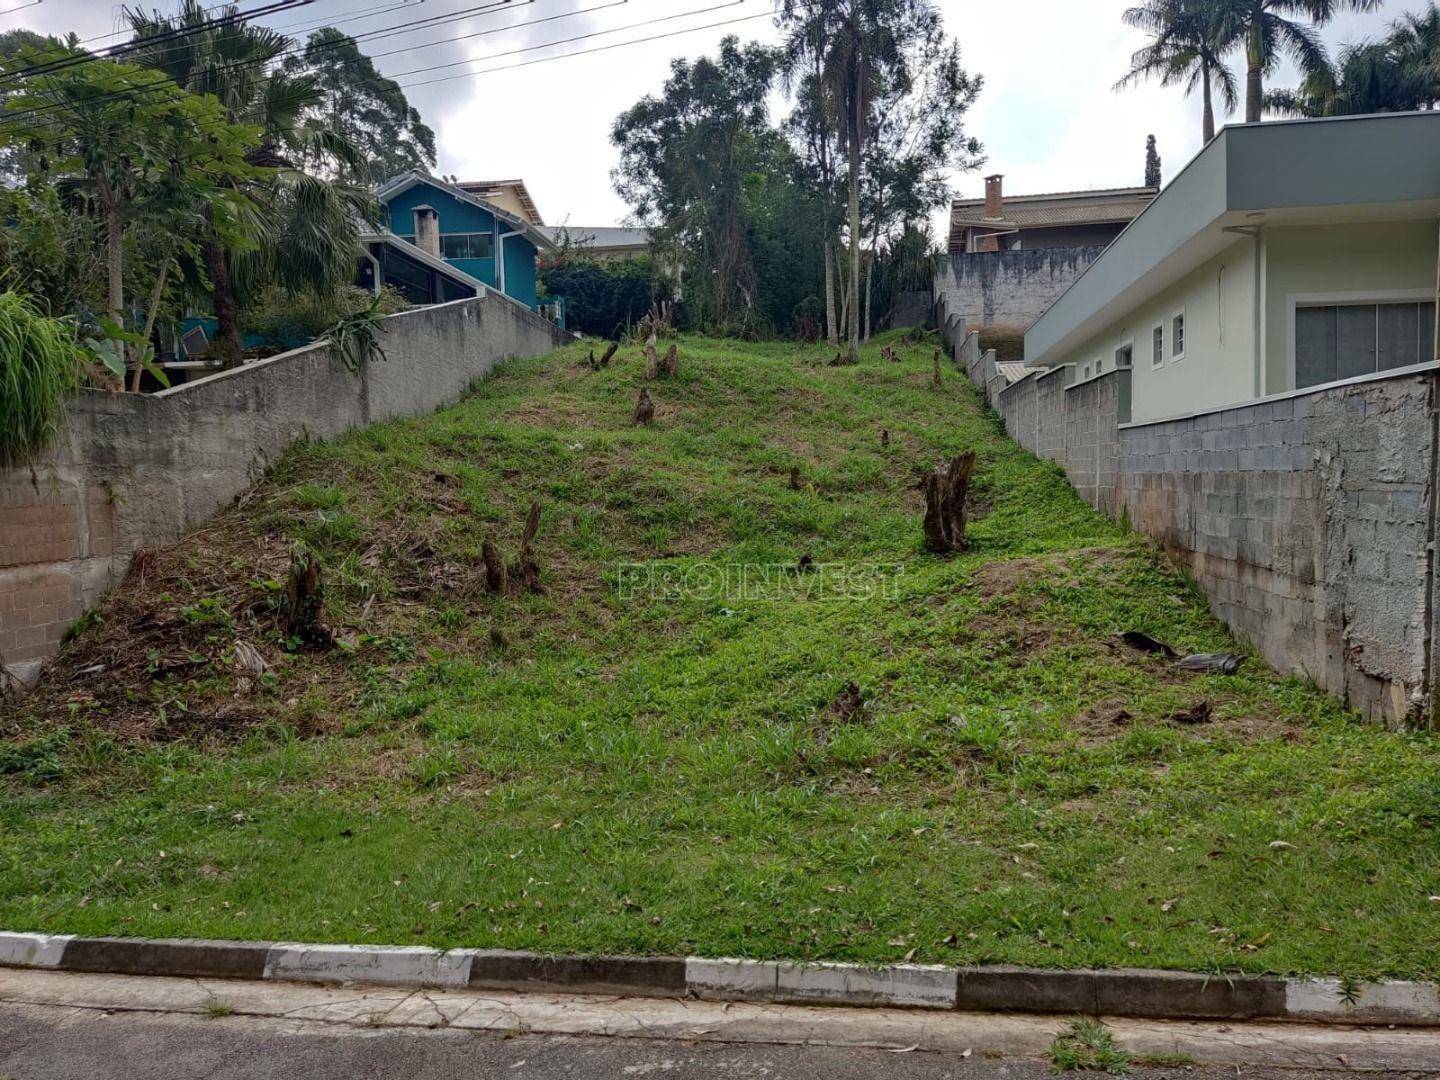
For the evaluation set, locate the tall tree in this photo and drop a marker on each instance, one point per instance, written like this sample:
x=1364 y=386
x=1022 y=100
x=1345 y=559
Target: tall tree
x=1152 y=163
x=364 y=107
x=1188 y=42
x=820 y=150
x=306 y=233
x=685 y=157
x=857 y=47
x=1269 y=30
x=1415 y=40
x=140 y=148
x=1370 y=77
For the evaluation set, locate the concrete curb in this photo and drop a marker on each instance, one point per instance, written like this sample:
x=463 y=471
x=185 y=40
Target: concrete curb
x=1117 y=992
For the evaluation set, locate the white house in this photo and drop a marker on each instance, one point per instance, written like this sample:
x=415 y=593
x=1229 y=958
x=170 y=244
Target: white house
x=1286 y=255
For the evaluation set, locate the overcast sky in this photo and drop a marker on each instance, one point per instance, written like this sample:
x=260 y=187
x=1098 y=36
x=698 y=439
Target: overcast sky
x=1047 y=116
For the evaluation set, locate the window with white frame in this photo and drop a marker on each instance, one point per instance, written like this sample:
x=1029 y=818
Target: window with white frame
x=1124 y=355
x=1177 y=335
x=467 y=245
x=1085 y=372
x=1343 y=341
x=1157 y=346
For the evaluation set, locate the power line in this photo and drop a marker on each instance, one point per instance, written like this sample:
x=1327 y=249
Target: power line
x=350 y=16
x=588 y=52
x=496 y=30
x=46 y=67
x=240 y=65
x=20 y=7
x=572 y=40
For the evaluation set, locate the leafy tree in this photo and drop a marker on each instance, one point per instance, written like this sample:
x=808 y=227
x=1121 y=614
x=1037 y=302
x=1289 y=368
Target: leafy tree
x=1415 y=40
x=685 y=157
x=917 y=137
x=601 y=298
x=139 y=150
x=363 y=107
x=305 y=232
x=858 y=49
x=1271 y=29
x=1152 y=163
x=1188 y=43
x=1369 y=78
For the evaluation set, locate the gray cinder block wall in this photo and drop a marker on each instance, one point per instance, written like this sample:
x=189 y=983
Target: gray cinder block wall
x=1007 y=290
x=1308 y=520
x=132 y=471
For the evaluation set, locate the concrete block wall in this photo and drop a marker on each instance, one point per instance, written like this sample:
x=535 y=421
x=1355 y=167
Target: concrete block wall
x=1008 y=290
x=132 y=471
x=1306 y=519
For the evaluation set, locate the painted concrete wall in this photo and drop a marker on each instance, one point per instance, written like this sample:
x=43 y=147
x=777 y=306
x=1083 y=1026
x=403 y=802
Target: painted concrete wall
x=1306 y=519
x=1218 y=364
x=1007 y=290
x=1370 y=259
x=520 y=271
x=135 y=471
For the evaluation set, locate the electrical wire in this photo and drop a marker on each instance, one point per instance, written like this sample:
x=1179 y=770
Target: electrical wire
x=21 y=7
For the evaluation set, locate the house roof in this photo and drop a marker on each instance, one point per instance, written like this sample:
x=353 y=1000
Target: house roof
x=598 y=238
x=1249 y=177
x=405 y=181
x=485 y=187
x=1051 y=210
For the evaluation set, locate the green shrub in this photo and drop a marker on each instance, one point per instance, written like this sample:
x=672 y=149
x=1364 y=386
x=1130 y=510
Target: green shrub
x=280 y=320
x=40 y=368
x=601 y=298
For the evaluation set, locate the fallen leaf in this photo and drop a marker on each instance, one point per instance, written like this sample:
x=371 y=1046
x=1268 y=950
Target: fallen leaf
x=1280 y=845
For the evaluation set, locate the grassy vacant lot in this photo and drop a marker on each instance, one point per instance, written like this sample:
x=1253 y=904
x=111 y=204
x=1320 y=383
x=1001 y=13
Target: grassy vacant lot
x=582 y=769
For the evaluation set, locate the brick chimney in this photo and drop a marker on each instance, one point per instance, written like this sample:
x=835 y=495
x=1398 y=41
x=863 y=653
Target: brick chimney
x=995 y=196
x=427 y=230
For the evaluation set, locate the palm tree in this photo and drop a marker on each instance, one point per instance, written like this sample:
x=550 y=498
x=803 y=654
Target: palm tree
x=305 y=230
x=1369 y=78
x=1186 y=47
x=1271 y=29
x=856 y=44
x=1415 y=38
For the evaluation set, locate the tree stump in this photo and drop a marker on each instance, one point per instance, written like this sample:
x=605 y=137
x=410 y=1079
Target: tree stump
x=885 y=438
x=497 y=580
x=652 y=359
x=305 y=601
x=644 y=408
x=609 y=354
x=671 y=363
x=946 y=491
x=935 y=375
x=525 y=572
x=794 y=477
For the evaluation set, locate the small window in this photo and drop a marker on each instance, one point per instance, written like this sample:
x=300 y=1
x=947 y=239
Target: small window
x=467 y=245
x=1177 y=336
x=1157 y=346
x=1124 y=356
x=1085 y=372
x=1099 y=365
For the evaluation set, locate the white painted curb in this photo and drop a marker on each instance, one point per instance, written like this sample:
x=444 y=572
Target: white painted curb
x=383 y=965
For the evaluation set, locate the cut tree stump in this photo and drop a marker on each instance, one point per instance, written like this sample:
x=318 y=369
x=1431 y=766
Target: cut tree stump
x=885 y=437
x=794 y=477
x=652 y=359
x=525 y=572
x=644 y=408
x=935 y=376
x=305 y=601
x=497 y=580
x=671 y=363
x=946 y=490
x=609 y=354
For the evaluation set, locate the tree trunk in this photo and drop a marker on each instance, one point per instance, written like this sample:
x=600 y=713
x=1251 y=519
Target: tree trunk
x=832 y=334
x=946 y=493
x=855 y=227
x=155 y=295
x=115 y=277
x=227 y=335
x=1209 y=120
x=869 y=289
x=1254 y=58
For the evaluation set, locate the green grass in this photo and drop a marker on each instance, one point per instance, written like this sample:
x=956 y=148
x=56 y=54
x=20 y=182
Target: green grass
x=588 y=770
x=1088 y=1046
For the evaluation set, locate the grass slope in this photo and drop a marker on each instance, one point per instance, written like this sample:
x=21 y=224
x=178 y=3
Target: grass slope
x=590 y=770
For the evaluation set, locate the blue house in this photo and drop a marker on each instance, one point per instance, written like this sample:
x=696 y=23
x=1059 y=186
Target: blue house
x=477 y=242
